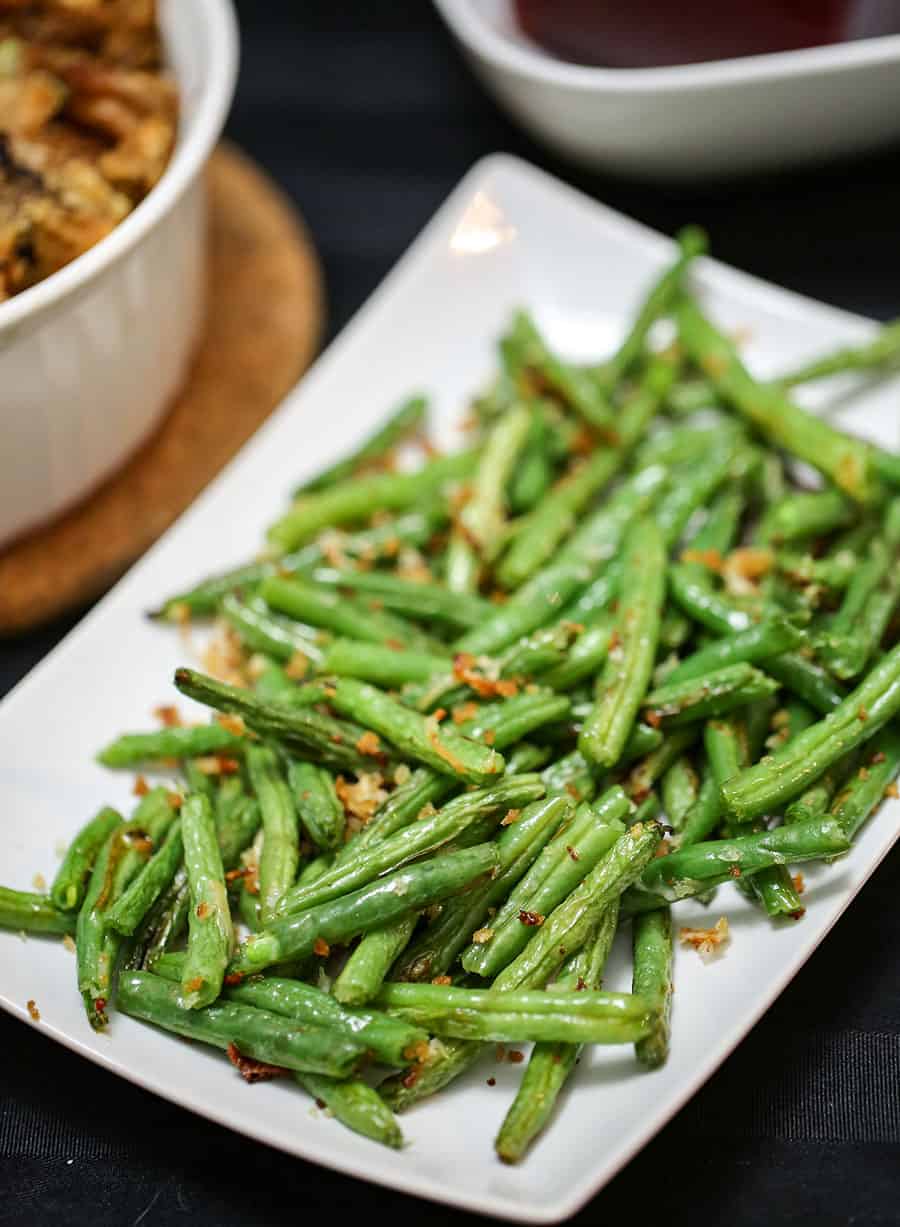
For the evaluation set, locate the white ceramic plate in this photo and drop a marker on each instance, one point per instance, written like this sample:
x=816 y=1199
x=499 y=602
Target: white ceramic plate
x=508 y=235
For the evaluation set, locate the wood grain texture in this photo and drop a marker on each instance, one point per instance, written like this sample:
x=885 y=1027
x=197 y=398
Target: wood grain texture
x=264 y=323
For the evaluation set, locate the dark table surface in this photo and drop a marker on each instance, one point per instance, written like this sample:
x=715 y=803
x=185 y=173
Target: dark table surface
x=367 y=117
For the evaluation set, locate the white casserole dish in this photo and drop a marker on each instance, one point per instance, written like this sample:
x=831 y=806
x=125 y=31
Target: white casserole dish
x=761 y=112
x=91 y=357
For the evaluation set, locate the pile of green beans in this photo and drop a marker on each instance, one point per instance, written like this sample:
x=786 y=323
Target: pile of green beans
x=485 y=713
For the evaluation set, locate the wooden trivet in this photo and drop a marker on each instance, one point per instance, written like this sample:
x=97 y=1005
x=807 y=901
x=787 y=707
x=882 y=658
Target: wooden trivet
x=264 y=323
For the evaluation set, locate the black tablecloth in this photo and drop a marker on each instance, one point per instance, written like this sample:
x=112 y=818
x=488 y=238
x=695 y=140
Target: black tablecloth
x=366 y=114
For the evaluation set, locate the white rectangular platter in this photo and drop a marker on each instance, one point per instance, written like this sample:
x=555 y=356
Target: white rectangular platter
x=508 y=235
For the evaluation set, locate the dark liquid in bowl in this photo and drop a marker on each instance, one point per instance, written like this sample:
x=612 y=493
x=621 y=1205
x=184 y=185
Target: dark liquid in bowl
x=653 y=33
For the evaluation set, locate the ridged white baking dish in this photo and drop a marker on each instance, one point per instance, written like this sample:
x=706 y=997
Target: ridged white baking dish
x=91 y=357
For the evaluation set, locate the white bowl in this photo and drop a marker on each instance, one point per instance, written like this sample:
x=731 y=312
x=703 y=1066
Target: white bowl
x=91 y=357
x=758 y=112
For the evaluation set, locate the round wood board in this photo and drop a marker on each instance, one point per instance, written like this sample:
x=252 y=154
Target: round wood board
x=264 y=322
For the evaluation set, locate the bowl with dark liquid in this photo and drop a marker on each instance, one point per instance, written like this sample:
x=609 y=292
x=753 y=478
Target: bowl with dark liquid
x=653 y=89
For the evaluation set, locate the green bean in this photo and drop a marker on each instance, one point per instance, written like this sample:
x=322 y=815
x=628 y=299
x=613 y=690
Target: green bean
x=210 y=933
x=566 y=931
x=446 y=1060
x=531 y=656
x=781 y=776
x=698 y=393
x=415 y=736
x=407 y=419
x=533 y=475
x=518 y=846
x=534 y=654
x=649 y=810
x=675 y=630
x=592 y=545
x=589 y=1017
x=693 y=486
x=725 y=742
x=261 y=630
x=462 y=566
x=730 y=746
x=550 y=1064
x=554 y=519
x=483 y=515
x=756 y=644
x=585 y=968
x=418 y=839
x=807 y=680
x=676 y=876
x=815 y=800
x=563 y=864
x=32 y=913
x=800 y=515
x=248 y=908
x=275 y=686
x=680 y=787
x=623 y=682
x=527 y=349
x=198 y=780
x=592 y=602
x=683 y=445
x=156 y=876
x=527 y=757
x=585 y=658
x=236 y=825
x=787 y=722
x=378 y=903
x=281 y=841
x=237 y=821
x=70 y=883
x=571 y=776
x=306 y=733
x=363 y=974
x=318 y=807
x=691 y=583
x=254 y=1033
x=326 y=608
x=841 y=648
x=354 y=499
x=388 y=1039
x=556 y=516
x=872 y=595
x=848 y=462
x=835 y=569
x=504 y=723
x=657 y=762
x=652 y=981
x=188 y=741
x=379 y=663
x=355 y=1104
x=98 y=946
x=568 y=926
x=715 y=694
x=414 y=528
x=414 y=598
x=423 y=788
x=866 y=790
x=704 y=815
x=776 y=891
x=692 y=242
